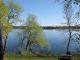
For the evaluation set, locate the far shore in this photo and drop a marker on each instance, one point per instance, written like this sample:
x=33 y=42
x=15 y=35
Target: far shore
x=51 y=27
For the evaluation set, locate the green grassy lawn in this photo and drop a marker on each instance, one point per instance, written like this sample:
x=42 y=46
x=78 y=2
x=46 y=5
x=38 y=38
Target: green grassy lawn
x=10 y=56
x=23 y=57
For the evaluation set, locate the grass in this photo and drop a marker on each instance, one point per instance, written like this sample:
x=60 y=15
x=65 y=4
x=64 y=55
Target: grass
x=9 y=56
x=24 y=57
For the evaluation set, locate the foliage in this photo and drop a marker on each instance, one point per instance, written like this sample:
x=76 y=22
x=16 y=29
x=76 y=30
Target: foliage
x=8 y=14
x=73 y=1
x=32 y=34
x=3 y=9
x=7 y=27
x=14 y=11
x=34 y=31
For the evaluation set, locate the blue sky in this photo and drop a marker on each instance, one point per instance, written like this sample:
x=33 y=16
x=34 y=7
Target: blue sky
x=48 y=13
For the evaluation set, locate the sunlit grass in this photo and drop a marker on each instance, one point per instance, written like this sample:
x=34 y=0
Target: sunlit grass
x=23 y=57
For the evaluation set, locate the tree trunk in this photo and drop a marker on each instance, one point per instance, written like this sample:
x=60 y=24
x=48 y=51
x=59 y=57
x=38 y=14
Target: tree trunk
x=1 y=47
x=5 y=44
x=69 y=39
x=69 y=43
x=27 y=45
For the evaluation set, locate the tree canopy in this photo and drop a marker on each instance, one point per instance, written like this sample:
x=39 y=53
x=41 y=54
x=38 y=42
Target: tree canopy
x=32 y=33
x=9 y=14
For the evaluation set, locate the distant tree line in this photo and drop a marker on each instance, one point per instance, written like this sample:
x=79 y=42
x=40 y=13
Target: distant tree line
x=50 y=27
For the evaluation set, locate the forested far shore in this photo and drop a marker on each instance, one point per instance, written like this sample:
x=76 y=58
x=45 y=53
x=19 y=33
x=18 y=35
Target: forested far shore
x=51 y=27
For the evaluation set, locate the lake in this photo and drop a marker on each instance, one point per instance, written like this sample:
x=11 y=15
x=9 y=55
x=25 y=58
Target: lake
x=57 y=39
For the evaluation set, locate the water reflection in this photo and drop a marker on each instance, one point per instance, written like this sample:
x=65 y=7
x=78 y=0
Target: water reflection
x=57 y=39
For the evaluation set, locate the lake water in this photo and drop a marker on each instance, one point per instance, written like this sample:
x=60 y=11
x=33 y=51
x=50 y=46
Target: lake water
x=57 y=39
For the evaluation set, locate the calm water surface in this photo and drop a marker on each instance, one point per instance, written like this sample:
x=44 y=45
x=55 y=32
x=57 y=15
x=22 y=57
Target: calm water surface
x=57 y=39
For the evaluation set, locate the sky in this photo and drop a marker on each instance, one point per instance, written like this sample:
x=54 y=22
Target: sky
x=48 y=12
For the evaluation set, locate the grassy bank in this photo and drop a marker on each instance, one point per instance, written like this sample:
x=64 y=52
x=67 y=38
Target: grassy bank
x=25 y=57
x=29 y=56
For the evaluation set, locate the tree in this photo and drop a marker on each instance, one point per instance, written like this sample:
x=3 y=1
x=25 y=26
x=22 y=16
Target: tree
x=7 y=27
x=3 y=12
x=32 y=33
x=13 y=16
x=7 y=15
x=69 y=15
